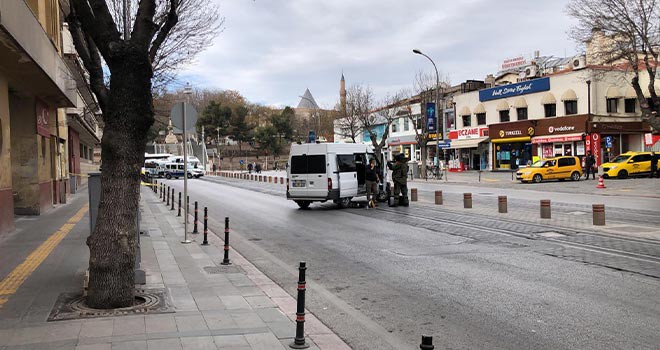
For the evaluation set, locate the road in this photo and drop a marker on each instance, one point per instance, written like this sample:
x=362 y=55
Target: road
x=381 y=278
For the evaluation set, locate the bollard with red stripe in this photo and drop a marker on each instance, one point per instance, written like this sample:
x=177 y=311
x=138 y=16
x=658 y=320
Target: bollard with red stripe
x=225 y=260
x=195 y=222
x=299 y=340
x=167 y=196
x=206 y=230
x=179 y=213
x=172 y=208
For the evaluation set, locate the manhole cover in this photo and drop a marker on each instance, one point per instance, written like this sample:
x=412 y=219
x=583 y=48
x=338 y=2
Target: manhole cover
x=216 y=270
x=551 y=234
x=71 y=306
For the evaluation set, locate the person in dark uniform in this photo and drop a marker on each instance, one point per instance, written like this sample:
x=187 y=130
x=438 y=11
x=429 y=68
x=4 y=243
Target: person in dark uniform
x=589 y=163
x=400 y=179
x=654 y=165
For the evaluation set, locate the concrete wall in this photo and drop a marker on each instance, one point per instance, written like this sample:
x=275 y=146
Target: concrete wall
x=6 y=201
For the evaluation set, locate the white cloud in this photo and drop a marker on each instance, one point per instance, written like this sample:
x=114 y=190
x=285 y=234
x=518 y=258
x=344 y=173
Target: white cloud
x=271 y=51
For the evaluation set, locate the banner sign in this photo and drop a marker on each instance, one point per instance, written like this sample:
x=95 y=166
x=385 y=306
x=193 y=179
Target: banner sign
x=430 y=117
x=592 y=144
x=42 y=119
x=523 y=88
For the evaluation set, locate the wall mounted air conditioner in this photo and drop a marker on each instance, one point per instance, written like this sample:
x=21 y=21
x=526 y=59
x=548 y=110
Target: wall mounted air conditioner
x=579 y=62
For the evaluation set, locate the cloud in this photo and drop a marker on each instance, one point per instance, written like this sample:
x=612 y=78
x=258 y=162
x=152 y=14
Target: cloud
x=271 y=51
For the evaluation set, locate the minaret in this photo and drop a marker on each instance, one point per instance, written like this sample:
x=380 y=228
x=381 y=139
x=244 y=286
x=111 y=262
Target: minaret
x=342 y=93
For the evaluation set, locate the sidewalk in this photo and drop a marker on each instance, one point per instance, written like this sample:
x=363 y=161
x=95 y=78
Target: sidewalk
x=216 y=307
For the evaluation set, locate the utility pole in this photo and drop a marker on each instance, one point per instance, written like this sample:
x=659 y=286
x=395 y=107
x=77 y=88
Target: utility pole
x=127 y=20
x=186 y=91
x=203 y=149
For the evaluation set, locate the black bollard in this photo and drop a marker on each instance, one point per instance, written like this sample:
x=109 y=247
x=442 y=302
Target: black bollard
x=195 y=222
x=427 y=343
x=172 y=208
x=299 y=340
x=167 y=197
x=179 y=213
x=206 y=230
x=225 y=260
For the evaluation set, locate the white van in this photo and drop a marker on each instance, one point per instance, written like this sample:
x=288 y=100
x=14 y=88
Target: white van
x=320 y=172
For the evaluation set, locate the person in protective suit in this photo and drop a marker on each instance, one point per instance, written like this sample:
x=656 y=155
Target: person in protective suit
x=400 y=179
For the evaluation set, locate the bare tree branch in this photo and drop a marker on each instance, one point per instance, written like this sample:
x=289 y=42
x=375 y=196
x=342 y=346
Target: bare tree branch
x=170 y=21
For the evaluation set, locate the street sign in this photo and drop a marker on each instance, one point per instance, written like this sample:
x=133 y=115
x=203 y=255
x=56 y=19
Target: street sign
x=608 y=141
x=312 y=137
x=444 y=144
x=430 y=117
x=176 y=114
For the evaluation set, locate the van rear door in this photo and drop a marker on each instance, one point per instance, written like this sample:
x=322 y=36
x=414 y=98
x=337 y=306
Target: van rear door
x=348 y=184
x=308 y=176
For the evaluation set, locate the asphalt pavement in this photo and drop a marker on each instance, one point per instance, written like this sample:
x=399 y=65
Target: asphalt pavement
x=382 y=278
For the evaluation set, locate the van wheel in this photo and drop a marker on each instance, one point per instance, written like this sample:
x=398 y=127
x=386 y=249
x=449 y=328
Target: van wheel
x=575 y=176
x=622 y=174
x=190 y=176
x=168 y=176
x=538 y=178
x=303 y=204
x=345 y=202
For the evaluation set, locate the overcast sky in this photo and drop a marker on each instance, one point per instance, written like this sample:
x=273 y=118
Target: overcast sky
x=272 y=50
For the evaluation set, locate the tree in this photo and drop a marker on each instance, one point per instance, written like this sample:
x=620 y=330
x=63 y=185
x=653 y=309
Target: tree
x=154 y=50
x=282 y=123
x=626 y=35
x=349 y=122
x=241 y=130
x=384 y=115
x=215 y=118
x=266 y=137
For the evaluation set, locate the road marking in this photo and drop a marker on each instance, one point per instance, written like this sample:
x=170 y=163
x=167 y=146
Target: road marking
x=15 y=279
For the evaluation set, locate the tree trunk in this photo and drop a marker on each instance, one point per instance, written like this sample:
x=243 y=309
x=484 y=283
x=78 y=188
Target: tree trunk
x=113 y=243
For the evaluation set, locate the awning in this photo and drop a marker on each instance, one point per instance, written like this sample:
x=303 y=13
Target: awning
x=569 y=95
x=613 y=92
x=520 y=103
x=402 y=140
x=465 y=111
x=630 y=93
x=548 y=99
x=467 y=143
x=503 y=106
x=557 y=138
x=512 y=139
x=479 y=109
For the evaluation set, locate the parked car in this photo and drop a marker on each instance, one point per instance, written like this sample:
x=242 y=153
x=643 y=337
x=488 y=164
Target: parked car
x=557 y=168
x=628 y=164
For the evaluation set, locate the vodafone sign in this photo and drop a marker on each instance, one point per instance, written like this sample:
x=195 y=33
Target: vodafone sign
x=471 y=133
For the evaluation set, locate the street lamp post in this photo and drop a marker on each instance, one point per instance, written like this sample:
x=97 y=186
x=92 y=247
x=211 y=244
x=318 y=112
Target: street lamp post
x=437 y=134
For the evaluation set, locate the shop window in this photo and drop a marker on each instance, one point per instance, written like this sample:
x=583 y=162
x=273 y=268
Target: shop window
x=612 y=105
x=630 y=105
x=467 y=120
x=504 y=116
x=522 y=113
x=570 y=107
x=481 y=118
x=550 y=110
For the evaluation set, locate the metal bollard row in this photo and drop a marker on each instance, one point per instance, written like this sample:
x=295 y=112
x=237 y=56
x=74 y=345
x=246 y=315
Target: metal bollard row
x=225 y=260
x=299 y=340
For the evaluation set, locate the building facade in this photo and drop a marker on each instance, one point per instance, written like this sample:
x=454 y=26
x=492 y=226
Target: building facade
x=36 y=88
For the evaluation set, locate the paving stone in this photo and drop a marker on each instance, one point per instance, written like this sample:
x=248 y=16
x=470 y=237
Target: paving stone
x=198 y=343
x=164 y=344
x=191 y=323
x=130 y=345
x=272 y=315
x=209 y=303
x=96 y=328
x=5 y=335
x=128 y=326
x=55 y=332
x=28 y=335
x=219 y=320
x=234 y=302
x=260 y=302
x=248 y=320
x=101 y=346
x=230 y=341
x=329 y=341
x=160 y=324
x=263 y=341
x=283 y=329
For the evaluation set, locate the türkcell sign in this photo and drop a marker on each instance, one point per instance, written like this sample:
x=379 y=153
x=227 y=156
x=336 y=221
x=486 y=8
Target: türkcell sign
x=523 y=88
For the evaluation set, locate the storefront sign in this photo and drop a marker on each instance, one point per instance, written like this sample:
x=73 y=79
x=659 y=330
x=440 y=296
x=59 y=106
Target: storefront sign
x=564 y=128
x=592 y=144
x=42 y=119
x=469 y=133
x=514 y=62
x=558 y=138
x=650 y=139
x=524 y=128
x=526 y=87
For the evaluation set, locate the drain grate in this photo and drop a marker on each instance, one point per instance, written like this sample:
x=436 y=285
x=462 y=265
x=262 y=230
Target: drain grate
x=216 y=270
x=71 y=306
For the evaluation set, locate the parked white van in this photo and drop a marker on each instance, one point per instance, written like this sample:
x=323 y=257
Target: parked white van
x=320 y=172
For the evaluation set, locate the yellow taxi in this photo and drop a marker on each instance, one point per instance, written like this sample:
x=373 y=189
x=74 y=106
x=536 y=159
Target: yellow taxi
x=628 y=164
x=557 y=168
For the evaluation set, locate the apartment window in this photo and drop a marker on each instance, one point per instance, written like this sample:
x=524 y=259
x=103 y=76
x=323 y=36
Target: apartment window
x=481 y=118
x=82 y=151
x=406 y=124
x=570 y=107
x=522 y=113
x=550 y=110
x=630 y=105
x=612 y=104
x=418 y=122
x=504 y=116
x=395 y=125
x=467 y=120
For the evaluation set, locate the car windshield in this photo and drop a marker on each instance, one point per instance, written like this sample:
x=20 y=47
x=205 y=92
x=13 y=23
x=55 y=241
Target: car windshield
x=620 y=159
x=539 y=164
